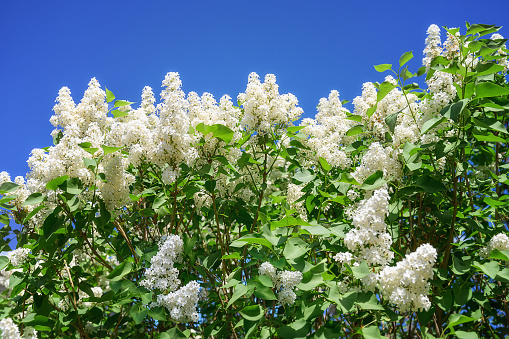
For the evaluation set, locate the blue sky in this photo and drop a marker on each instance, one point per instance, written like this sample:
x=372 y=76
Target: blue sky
x=311 y=47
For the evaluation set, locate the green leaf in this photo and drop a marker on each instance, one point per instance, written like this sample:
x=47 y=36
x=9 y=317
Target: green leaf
x=251 y=239
x=488 y=68
x=118 y=113
x=491 y=124
x=354 y=117
x=120 y=271
x=501 y=255
x=382 y=67
x=52 y=222
x=430 y=184
x=316 y=230
x=205 y=129
x=406 y=57
x=371 y=110
x=304 y=176
x=372 y=332
x=385 y=88
x=235 y=255
x=458 y=266
x=265 y=281
x=369 y=301
x=360 y=271
x=109 y=96
x=325 y=165
x=158 y=313
x=16 y=279
x=88 y=147
x=466 y=335
x=288 y=222
x=239 y=291
x=295 y=129
x=71 y=186
x=432 y=123
x=489 y=89
x=120 y=103
x=53 y=184
x=453 y=111
x=312 y=278
x=296 y=330
x=355 y=130
x=252 y=312
x=478 y=28
x=494 y=203
x=4 y=261
x=391 y=121
x=457 y=319
x=173 y=333
x=223 y=133
x=90 y=163
x=374 y=181
x=421 y=71
x=295 y=248
x=489 y=268
x=108 y=150
x=7 y=187
x=34 y=198
x=347 y=301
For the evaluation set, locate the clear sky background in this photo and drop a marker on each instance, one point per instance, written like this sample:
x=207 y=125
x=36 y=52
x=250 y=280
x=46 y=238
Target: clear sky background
x=312 y=47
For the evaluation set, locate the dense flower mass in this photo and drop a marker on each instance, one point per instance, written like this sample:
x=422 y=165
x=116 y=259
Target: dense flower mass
x=18 y=256
x=407 y=284
x=163 y=276
x=369 y=239
x=264 y=107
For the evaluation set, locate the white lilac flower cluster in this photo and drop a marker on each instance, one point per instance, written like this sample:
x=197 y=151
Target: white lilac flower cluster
x=327 y=132
x=498 y=242
x=284 y=282
x=378 y=158
x=163 y=276
x=369 y=239
x=9 y=330
x=395 y=102
x=264 y=107
x=18 y=256
x=406 y=285
x=433 y=43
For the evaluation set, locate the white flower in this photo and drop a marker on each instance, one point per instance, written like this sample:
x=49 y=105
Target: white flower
x=9 y=329
x=161 y=274
x=286 y=297
x=267 y=269
x=18 y=256
x=433 y=48
x=406 y=285
x=182 y=303
x=264 y=107
x=289 y=279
